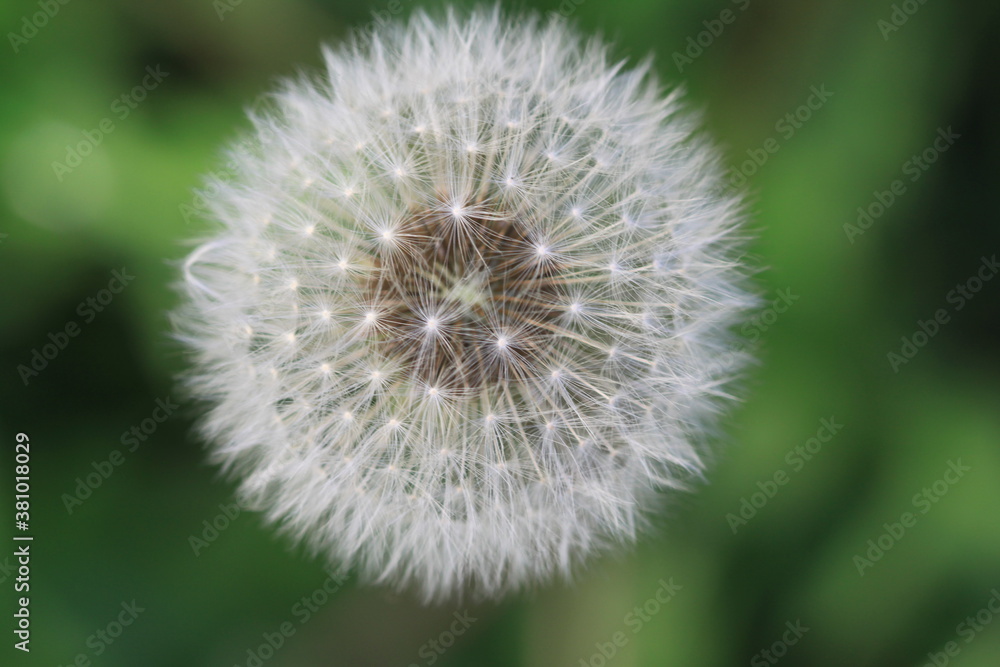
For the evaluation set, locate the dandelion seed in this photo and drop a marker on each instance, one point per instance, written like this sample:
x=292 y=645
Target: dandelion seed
x=521 y=369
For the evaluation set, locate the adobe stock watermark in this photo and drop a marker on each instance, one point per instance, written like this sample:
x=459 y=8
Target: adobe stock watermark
x=923 y=501
x=914 y=168
x=212 y=528
x=754 y=329
x=968 y=630
x=30 y=25
x=223 y=7
x=87 y=309
x=105 y=636
x=568 y=7
x=380 y=17
x=698 y=44
x=121 y=107
x=199 y=203
x=785 y=127
x=303 y=610
x=765 y=319
x=960 y=295
x=130 y=440
x=898 y=17
x=796 y=460
x=635 y=620
x=779 y=649
x=199 y=206
x=433 y=649
x=7 y=568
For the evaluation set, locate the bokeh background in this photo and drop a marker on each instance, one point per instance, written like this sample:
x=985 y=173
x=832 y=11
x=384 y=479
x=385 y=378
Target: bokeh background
x=898 y=73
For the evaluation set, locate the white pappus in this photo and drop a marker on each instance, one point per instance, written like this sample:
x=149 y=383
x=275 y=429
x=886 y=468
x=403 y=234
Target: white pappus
x=460 y=316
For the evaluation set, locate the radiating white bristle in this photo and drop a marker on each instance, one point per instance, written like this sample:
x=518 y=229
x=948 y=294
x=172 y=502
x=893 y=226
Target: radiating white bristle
x=513 y=416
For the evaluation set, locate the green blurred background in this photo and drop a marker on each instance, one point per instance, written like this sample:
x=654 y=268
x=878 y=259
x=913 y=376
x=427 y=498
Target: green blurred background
x=848 y=296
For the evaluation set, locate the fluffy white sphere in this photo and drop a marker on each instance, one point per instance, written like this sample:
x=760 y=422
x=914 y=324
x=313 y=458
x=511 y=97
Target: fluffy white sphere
x=464 y=313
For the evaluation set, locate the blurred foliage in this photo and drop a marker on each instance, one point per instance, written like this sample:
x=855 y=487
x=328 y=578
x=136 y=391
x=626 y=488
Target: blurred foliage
x=824 y=357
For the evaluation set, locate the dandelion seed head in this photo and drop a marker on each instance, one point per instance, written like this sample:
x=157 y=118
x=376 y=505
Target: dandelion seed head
x=497 y=343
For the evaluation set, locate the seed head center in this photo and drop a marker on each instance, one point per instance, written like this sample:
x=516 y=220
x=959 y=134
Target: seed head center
x=455 y=289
